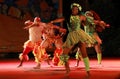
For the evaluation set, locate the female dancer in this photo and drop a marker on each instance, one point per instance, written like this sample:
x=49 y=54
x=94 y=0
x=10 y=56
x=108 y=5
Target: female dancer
x=76 y=36
x=93 y=25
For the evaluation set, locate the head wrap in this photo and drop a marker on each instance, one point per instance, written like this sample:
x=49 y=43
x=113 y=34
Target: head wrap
x=77 y=5
x=88 y=12
x=37 y=19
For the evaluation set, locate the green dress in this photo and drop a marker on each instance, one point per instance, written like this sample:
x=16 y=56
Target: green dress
x=90 y=27
x=76 y=34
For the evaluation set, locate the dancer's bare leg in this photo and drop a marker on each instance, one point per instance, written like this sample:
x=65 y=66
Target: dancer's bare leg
x=85 y=58
x=64 y=57
x=21 y=63
x=78 y=57
x=77 y=63
x=99 y=54
x=24 y=55
x=48 y=62
x=98 y=49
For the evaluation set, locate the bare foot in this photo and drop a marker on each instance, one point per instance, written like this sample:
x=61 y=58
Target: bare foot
x=67 y=71
x=88 y=73
x=50 y=66
x=87 y=76
x=76 y=65
x=99 y=65
x=19 y=65
x=37 y=67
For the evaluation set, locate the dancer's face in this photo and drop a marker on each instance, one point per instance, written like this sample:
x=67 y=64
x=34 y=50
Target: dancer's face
x=75 y=10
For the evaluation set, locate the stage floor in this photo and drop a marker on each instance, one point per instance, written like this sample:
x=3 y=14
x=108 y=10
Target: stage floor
x=110 y=69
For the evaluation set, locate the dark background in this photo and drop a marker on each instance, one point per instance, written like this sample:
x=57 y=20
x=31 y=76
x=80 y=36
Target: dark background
x=109 y=12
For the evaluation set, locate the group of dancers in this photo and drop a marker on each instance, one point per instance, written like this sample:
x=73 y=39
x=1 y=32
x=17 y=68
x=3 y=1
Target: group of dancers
x=42 y=36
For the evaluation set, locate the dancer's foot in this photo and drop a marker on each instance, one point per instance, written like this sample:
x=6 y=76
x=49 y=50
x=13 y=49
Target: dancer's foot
x=50 y=65
x=67 y=67
x=67 y=70
x=76 y=65
x=19 y=65
x=87 y=76
x=37 y=66
x=88 y=73
x=99 y=65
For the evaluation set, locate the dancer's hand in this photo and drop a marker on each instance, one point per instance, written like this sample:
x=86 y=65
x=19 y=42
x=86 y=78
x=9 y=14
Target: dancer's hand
x=26 y=28
x=63 y=30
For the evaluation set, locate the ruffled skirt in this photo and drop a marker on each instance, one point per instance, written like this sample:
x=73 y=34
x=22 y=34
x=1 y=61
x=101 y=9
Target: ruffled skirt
x=77 y=36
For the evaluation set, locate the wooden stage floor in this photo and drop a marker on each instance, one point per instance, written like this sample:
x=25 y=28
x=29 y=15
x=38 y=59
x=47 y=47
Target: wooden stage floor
x=110 y=69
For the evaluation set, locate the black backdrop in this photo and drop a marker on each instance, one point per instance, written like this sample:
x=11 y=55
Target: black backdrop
x=109 y=11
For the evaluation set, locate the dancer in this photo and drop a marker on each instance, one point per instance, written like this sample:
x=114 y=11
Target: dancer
x=58 y=50
x=40 y=53
x=92 y=27
x=97 y=26
x=76 y=36
x=49 y=38
x=35 y=37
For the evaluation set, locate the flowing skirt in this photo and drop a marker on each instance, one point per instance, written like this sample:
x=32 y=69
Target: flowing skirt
x=77 y=36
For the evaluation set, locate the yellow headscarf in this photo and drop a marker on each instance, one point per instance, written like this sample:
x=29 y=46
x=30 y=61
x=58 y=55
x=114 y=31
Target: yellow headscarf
x=77 y=5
